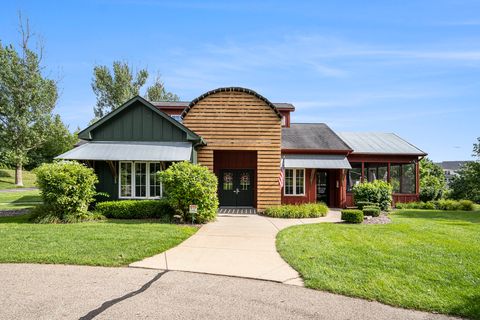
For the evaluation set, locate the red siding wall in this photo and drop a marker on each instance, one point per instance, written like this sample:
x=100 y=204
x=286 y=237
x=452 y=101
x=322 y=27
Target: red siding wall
x=310 y=190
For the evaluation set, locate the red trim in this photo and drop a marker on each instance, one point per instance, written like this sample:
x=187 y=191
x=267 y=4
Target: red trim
x=315 y=151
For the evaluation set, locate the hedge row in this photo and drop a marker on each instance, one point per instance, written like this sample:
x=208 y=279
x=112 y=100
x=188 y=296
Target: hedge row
x=450 y=205
x=307 y=210
x=135 y=209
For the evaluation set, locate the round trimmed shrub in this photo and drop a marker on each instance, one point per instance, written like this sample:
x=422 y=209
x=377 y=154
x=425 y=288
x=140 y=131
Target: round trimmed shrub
x=67 y=188
x=377 y=191
x=185 y=184
x=352 y=216
x=371 y=211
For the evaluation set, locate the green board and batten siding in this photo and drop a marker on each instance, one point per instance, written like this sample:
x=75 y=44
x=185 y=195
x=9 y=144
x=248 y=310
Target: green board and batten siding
x=137 y=121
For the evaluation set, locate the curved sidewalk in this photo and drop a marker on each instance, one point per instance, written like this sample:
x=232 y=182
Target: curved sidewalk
x=235 y=245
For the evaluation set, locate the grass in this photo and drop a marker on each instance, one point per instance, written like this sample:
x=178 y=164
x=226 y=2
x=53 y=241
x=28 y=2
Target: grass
x=7 y=179
x=428 y=260
x=106 y=243
x=19 y=200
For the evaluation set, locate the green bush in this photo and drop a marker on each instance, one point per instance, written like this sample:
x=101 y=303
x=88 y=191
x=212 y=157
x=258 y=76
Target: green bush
x=136 y=209
x=66 y=188
x=352 y=215
x=362 y=204
x=307 y=210
x=377 y=191
x=450 y=205
x=371 y=211
x=466 y=205
x=185 y=184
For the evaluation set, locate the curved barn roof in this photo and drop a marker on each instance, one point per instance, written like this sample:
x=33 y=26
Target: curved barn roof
x=230 y=89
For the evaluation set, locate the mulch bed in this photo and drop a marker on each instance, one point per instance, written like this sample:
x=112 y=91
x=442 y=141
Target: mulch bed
x=11 y=213
x=381 y=219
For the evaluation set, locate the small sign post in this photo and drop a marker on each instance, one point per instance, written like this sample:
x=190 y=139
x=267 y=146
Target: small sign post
x=192 y=209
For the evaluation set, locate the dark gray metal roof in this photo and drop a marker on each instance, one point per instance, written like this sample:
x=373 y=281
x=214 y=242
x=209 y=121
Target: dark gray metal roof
x=452 y=165
x=130 y=151
x=316 y=161
x=379 y=143
x=315 y=136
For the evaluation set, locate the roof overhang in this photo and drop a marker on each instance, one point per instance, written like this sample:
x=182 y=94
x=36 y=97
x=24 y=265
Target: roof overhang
x=130 y=151
x=316 y=161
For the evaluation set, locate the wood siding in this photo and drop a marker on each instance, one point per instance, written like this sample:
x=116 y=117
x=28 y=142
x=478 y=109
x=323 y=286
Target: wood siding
x=138 y=123
x=241 y=121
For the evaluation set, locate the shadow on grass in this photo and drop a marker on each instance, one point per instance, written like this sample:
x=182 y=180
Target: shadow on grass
x=5 y=174
x=465 y=216
x=24 y=219
x=27 y=198
x=469 y=307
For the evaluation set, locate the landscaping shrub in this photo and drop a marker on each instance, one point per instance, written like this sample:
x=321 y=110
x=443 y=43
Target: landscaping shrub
x=307 y=210
x=449 y=205
x=371 y=211
x=352 y=216
x=185 y=184
x=377 y=191
x=66 y=188
x=136 y=209
x=362 y=204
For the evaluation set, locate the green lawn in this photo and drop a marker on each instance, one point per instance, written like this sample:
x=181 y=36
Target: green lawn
x=428 y=260
x=106 y=243
x=7 y=179
x=19 y=199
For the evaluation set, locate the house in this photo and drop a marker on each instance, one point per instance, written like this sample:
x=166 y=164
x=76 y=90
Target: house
x=245 y=140
x=450 y=169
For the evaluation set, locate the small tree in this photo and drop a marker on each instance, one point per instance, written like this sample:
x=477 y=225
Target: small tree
x=467 y=184
x=67 y=188
x=432 y=181
x=377 y=191
x=157 y=92
x=186 y=184
x=27 y=99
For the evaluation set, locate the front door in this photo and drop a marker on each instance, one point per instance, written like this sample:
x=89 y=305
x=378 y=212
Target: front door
x=236 y=188
x=322 y=186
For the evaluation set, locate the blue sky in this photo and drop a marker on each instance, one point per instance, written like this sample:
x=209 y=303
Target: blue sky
x=409 y=67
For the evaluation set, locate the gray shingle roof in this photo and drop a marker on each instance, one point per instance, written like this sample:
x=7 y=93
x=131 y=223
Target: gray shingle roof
x=379 y=143
x=316 y=136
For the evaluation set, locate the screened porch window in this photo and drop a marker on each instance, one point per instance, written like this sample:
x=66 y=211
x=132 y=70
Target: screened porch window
x=354 y=175
x=294 y=182
x=402 y=175
x=139 y=180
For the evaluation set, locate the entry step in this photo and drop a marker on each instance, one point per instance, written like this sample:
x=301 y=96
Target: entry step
x=236 y=210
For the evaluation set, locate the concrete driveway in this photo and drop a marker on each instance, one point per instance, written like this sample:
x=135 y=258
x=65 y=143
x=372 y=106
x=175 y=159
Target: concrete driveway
x=235 y=245
x=30 y=291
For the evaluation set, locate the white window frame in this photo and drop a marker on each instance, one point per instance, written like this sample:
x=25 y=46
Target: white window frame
x=147 y=180
x=294 y=194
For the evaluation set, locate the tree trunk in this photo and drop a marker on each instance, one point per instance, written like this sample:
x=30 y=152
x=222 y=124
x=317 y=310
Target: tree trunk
x=18 y=176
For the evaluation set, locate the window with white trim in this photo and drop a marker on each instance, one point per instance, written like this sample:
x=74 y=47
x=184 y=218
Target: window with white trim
x=294 y=182
x=139 y=180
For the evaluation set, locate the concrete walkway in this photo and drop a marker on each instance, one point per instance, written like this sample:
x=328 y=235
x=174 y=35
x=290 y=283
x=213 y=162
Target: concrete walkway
x=235 y=245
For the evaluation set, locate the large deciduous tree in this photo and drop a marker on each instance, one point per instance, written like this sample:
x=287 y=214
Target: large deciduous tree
x=467 y=184
x=112 y=90
x=27 y=99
